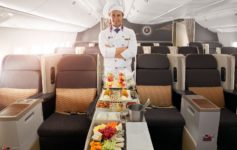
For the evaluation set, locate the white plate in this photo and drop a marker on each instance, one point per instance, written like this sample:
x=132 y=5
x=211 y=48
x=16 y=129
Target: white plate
x=121 y=99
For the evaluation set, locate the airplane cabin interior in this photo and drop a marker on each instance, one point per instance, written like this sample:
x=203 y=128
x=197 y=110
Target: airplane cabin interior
x=166 y=80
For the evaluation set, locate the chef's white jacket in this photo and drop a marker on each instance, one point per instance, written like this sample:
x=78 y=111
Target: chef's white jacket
x=109 y=40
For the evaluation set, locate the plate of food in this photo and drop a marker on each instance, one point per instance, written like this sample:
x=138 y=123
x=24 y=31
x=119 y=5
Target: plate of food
x=115 y=95
x=103 y=104
x=108 y=136
x=115 y=81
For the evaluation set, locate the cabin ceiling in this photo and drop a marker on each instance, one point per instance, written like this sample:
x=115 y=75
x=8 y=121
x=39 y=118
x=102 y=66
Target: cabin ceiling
x=79 y=15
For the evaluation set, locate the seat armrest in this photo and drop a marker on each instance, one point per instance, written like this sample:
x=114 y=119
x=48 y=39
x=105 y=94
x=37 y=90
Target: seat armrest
x=91 y=109
x=231 y=100
x=177 y=96
x=48 y=103
x=44 y=96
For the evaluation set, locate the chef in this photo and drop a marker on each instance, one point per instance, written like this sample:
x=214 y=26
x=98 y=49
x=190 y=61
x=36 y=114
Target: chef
x=117 y=43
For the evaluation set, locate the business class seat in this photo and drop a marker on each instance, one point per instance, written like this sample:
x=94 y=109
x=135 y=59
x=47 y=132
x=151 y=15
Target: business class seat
x=160 y=49
x=147 y=44
x=140 y=50
x=228 y=50
x=198 y=45
x=76 y=84
x=203 y=78
x=213 y=46
x=166 y=44
x=185 y=50
x=154 y=81
x=20 y=78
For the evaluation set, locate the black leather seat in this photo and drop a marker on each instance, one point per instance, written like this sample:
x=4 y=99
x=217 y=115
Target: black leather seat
x=203 y=78
x=160 y=49
x=198 y=45
x=75 y=93
x=213 y=46
x=147 y=44
x=185 y=50
x=20 y=78
x=62 y=131
x=154 y=81
x=229 y=50
x=165 y=43
x=140 y=50
x=166 y=118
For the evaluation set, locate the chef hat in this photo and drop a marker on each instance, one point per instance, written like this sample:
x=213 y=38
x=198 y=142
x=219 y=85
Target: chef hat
x=109 y=7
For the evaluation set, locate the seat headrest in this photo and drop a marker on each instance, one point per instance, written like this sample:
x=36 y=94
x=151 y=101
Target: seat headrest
x=147 y=44
x=77 y=63
x=166 y=44
x=160 y=49
x=21 y=62
x=152 y=61
x=200 y=61
x=214 y=44
x=229 y=50
x=195 y=44
x=187 y=50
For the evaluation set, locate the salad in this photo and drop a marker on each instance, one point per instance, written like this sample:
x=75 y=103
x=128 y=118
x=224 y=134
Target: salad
x=108 y=136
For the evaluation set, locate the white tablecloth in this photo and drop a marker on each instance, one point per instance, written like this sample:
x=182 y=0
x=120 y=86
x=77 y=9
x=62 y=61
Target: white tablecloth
x=138 y=137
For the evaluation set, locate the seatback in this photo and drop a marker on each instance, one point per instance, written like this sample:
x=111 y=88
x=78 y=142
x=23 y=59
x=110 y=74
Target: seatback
x=229 y=50
x=165 y=43
x=185 y=50
x=198 y=45
x=203 y=78
x=147 y=44
x=20 y=78
x=213 y=46
x=160 y=49
x=154 y=79
x=76 y=83
x=140 y=50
